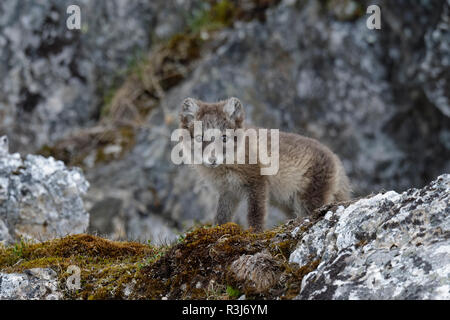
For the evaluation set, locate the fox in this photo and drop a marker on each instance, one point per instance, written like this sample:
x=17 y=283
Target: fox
x=309 y=174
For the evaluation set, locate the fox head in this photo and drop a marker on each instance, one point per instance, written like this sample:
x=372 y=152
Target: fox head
x=218 y=116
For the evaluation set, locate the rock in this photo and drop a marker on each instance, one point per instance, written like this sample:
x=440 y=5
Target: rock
x=40 y=199
x=259 y=272
x=53 y=80
x=323 y=78
x=33 y=284
x=302 y=71
x=5 y=237
x=388 y=246
x=385 y=246
x=379 y=99
x=142 y=189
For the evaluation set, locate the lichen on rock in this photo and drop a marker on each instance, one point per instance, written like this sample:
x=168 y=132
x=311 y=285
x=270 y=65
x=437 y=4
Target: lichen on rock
x=34 y=284
x=40 y=199
x=388 y=246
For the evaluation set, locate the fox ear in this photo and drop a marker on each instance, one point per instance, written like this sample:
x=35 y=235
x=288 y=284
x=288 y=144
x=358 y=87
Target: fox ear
x=234 y=109
x=188 y=109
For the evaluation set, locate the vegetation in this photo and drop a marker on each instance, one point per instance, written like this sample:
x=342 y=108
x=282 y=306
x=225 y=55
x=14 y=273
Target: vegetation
x=197 y=266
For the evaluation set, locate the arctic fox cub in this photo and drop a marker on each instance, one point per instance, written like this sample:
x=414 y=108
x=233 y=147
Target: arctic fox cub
x=309 y=174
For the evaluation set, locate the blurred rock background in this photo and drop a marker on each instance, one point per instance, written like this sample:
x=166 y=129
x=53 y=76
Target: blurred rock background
x=106 y=98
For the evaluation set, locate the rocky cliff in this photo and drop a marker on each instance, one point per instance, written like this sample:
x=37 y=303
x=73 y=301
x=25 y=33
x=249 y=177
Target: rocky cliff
x=106 y=97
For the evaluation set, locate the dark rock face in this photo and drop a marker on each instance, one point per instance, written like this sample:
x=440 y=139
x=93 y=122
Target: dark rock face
x=53 y=80
x=368 y=94
x=389 y=246
x=378 y=98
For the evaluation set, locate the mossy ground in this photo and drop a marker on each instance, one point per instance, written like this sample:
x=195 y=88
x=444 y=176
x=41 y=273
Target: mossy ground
x=196 y=267
x=105 y=265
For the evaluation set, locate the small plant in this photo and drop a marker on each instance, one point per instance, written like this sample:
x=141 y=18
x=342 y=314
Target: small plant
x=181 y=237
x=232 y=292
x=214 y=291
x=220 y=15
x=18 y=248
x=156 y=256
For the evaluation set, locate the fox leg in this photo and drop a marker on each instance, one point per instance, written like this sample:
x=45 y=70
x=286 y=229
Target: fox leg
x=228 y=202
x=257 y=206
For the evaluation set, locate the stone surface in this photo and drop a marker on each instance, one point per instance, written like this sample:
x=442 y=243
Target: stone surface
x=53 y=80
x=377 y=98
x=388 y=246
x=385 y=246
x=359 y=91
x=33 y=284
x=40 y=199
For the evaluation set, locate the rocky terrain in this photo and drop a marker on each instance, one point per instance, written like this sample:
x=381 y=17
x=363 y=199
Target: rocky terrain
x=99 y=105
x=385 y=246
x=106 y=97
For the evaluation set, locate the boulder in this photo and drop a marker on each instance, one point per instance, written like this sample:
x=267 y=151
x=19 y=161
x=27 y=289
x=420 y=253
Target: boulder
x=386 y=246
x=33 y=284
x=40 y=199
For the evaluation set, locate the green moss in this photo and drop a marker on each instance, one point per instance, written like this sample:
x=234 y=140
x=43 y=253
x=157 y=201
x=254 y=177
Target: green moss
x=343 y=10
x=75 y=149
x=197 y=266
x=232 y=292
x=107 y=101
x=106 y=266
x=220 y=15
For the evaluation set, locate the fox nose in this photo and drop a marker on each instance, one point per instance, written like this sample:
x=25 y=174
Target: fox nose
x=212 y=160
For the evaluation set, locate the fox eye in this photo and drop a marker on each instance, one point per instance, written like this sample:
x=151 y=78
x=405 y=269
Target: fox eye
x=224 y=138
x=199 y=138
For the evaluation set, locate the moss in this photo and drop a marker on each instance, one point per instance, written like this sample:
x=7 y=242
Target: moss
x=292 y=286
x=232 y=292
x=197 y=266
x=106 y=266
x=221 y=14
x=343 y=10
x=75 y=149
